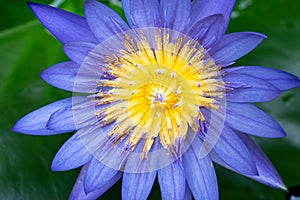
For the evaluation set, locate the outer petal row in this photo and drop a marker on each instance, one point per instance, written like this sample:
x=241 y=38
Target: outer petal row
x=204 y=8
x=98 y=175
x=172 y=181
x=69 y=76
x=235 y=45
x=65 y=26
x=208 y=30
x=79 y=193
x=35 y=123
x=266 y=173
x=279 y=79
x=233 y=151
x=71 y=155
x=249 y=119
x=137 y=186
x=243 y=88
x=61 y=75
x=142 y=13
x=103 y=21
x=78 y=51
x=200 y=173
x=175 y=15
x=62 y=120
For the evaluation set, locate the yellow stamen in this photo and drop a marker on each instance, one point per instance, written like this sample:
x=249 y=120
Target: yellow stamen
x=158 y=91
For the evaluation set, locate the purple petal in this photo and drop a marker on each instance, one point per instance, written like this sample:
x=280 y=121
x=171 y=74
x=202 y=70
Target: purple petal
x=103 y=21
x=65 y=26
x=175 y=15
x=126 y=8
x=172 y=181
x=137 y=185
x=71 y=155
x=65 y=119
x=35 y=123
x=232 y=150
x=78 y=192
x=62 y=120
x=234 y=46
x=200 y=173
x=267 y=173
x=78 y=51
x=62 y=75
x=98 y=175
x=188 y=194
x=208 y=30
x=280 y=79
x=249 y=119
x=244 y=88
x=142 y=13
x=204 y=8
x=71 y=76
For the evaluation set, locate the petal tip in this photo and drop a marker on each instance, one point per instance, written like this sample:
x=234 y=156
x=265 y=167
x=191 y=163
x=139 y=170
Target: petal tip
x=32 y=4
x=44 y=75
x=17 y=127
x=23 y=127
x=37 y=7
x=263 y=36
x=56 y=165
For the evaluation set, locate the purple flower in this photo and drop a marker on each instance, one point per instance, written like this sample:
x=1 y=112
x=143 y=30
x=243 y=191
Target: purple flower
x=156 y=98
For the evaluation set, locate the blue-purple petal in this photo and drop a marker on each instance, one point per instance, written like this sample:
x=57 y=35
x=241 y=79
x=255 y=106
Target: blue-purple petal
x=104 y=22
x=98 y=175
x=234 y=46
x=188 y=194
x=78 y=192
x=62 y=75
x=142 y=13
x=175 y=15
x=137 y=185
x=71 y=155
x=126 y=9
x=172 y=181
x=62 y=120
x=65 y=26
x=204 y=8
x=243 y=88
x=78 y=51
x=267 y=174
x=249 y=119
x=200 y=173
x=280 y=79
x=35 y=123
x=232 y=150
x=208 y=30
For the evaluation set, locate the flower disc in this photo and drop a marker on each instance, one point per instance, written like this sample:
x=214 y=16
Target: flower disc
x=148 y=88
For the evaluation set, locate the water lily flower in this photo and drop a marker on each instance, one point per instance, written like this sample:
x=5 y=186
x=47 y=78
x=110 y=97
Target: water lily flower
x=157 y=97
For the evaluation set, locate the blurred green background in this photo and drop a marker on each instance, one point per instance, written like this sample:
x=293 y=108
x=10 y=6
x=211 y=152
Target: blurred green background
x=26 y=49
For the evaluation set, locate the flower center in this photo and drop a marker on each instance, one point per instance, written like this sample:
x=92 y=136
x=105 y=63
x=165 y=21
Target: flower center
x=158 y=84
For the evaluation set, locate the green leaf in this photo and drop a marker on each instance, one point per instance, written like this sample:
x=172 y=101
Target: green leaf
x=25 y=161
x=15 y=12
